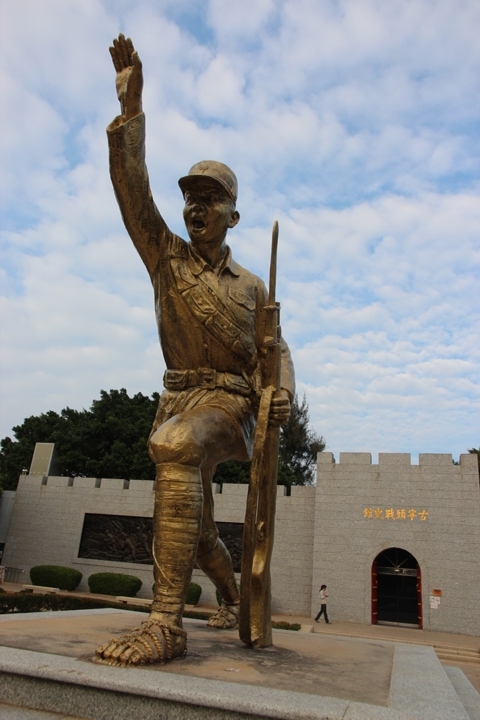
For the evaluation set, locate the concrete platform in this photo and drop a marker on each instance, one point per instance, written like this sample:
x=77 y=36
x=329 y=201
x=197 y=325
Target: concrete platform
x=45 y=666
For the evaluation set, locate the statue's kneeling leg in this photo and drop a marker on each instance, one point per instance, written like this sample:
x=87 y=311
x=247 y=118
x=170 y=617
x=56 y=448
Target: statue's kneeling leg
x=177 y=519
x=217 y=565
x=215 y=561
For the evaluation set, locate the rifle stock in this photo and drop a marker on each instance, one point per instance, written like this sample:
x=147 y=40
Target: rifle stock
x=258 y=532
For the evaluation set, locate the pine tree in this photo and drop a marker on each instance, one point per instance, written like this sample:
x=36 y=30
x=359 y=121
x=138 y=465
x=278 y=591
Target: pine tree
x=299 y=445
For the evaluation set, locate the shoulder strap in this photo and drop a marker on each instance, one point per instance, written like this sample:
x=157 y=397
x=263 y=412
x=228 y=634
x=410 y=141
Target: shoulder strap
x=211 y=312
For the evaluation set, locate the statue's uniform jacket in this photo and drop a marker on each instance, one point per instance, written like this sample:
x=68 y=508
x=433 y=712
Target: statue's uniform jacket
x=206 y=319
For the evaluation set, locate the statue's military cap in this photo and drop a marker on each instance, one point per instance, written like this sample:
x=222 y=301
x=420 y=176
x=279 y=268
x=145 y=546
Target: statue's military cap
x=213 y=170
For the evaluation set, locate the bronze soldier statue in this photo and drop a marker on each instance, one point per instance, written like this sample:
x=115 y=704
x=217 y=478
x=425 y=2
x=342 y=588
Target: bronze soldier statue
x=210 y=315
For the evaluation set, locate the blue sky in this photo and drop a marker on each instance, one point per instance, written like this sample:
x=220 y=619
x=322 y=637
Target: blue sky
x=355 y=123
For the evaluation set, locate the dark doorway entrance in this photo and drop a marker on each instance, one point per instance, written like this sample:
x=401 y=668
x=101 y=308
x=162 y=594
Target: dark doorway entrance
x=396 y=589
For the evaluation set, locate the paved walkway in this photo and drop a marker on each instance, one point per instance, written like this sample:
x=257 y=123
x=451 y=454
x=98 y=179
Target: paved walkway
x=354 y=630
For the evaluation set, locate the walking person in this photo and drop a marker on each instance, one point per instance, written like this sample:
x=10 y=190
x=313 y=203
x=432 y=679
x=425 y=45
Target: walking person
x=323 y=605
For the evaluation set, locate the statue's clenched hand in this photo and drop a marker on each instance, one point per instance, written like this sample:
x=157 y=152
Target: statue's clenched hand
x=280 y=408
x=129 y=80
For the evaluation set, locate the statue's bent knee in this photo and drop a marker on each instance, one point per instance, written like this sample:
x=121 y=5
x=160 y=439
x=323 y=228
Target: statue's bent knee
x=174 y=443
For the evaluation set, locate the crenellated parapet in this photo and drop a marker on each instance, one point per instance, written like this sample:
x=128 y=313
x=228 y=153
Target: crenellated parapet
x=468 y=461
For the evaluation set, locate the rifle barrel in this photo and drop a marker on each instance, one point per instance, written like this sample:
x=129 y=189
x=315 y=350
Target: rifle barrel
x=273 y=265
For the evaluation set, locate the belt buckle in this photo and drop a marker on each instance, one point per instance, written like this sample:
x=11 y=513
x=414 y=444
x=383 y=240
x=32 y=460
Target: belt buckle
x=207 y=378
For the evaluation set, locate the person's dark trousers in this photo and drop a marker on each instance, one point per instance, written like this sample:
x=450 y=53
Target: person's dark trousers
x=323 y=611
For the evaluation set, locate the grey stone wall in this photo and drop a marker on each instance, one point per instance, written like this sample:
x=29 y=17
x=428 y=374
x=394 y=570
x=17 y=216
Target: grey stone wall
x=48 y=515
x=7 y=501
x=441 y=529
x=47 y=521
x=325 y=534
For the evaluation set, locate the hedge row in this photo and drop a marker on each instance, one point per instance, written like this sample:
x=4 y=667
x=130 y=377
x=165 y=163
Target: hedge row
x=31 y=602
x=24 y=602
x=66 y=578
x=106 y=583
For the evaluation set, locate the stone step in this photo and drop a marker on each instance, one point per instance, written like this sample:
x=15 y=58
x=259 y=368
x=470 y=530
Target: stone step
x=458 y=654
x=443 y=651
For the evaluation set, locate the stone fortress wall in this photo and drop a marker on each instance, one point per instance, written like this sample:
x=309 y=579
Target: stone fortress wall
x=330 y=533
x=432 y=510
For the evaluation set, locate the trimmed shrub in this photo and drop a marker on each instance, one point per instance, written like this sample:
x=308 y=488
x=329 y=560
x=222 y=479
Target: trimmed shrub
x=284 y=625
x=193 y=594
x=57 y=576
x=108 y=583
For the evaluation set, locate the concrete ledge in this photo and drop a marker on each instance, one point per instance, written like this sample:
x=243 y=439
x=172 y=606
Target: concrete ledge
x=59 y=684
x=133 y=600
x=307 y=628
x=425 y=693
x=40 y=589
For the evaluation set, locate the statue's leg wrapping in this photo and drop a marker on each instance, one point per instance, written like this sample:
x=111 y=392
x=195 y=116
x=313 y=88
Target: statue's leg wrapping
x=215 y=561
x=177 y=523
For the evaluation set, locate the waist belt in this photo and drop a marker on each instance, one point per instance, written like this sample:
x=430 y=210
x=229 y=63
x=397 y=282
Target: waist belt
x=206 y=378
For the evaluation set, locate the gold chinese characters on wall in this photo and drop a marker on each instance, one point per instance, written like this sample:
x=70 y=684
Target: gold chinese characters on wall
x=371 y=513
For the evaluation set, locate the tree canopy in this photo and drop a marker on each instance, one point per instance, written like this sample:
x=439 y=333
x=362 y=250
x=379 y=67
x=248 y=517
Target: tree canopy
x=110 y=440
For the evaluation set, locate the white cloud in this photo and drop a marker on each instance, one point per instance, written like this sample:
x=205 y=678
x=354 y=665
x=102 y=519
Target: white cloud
x=350 y=122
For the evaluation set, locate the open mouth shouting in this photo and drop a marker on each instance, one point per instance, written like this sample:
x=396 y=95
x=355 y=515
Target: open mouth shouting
x=197 y=223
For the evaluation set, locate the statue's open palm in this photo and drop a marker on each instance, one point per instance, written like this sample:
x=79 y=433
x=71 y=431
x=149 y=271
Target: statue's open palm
x=129 y=81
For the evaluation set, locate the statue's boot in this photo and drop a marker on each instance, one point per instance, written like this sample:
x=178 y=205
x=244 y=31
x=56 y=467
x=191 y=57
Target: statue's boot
x=177 y=521
x=215 y=561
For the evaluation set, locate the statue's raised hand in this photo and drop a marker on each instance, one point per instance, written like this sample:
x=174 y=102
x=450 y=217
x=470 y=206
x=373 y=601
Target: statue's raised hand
x=129 y=80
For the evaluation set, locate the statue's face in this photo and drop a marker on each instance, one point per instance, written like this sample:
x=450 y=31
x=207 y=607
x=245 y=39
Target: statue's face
x=208 y=213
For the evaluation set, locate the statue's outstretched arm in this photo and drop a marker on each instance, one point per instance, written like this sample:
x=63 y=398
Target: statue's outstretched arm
x=126 y=136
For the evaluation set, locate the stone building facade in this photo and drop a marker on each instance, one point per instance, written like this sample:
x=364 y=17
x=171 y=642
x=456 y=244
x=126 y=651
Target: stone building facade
x=430 y=511
x=394 y=542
